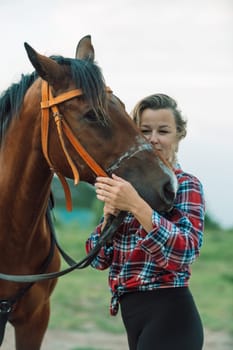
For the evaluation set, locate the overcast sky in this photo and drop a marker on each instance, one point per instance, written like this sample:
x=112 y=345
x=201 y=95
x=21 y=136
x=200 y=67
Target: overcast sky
x=180 y=47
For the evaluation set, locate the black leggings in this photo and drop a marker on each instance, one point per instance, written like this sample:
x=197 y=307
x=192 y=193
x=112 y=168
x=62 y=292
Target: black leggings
x=163 y=319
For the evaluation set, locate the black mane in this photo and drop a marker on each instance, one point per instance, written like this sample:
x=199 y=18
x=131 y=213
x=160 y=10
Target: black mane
x=11 y=101
x=86 y=74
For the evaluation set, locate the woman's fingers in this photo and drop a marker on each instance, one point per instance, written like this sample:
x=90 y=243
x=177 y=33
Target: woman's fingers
x=105 y=180
x=115 y=192
x=110 y=210
x=115 y=177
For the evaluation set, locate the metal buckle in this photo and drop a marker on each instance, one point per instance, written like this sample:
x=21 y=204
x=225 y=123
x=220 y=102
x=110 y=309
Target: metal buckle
x=5 y=307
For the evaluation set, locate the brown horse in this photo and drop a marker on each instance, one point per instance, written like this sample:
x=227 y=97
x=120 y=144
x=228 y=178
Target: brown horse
x=31 y=151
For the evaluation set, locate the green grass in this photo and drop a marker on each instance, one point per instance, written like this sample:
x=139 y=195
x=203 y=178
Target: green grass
x=81 y=298
x=212 y=280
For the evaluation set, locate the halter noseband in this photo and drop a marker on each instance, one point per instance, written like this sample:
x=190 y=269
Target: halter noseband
x=48 y=101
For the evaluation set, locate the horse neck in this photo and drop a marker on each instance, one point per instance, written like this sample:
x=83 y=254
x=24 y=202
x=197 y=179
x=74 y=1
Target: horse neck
x=25 y=181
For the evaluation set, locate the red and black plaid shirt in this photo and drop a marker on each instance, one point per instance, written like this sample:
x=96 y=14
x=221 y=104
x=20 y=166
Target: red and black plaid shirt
x=141 y=261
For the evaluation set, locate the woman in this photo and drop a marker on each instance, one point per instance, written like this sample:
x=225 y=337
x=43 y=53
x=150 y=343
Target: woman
x=150 y=257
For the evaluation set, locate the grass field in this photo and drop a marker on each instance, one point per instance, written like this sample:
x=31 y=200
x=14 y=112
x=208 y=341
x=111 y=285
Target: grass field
x=81 y=298
x=212 y=280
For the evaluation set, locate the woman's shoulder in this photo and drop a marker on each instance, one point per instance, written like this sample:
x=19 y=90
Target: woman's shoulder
x=185 y=176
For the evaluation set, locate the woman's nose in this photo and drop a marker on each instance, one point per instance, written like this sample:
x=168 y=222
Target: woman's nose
x=153 y=137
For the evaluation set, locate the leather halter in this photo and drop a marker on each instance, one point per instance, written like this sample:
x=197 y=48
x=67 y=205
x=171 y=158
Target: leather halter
x=48 y=101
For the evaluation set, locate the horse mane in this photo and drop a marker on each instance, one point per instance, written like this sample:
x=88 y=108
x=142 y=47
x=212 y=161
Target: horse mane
x=86 y=74
x=11 y=101
x=88 y=77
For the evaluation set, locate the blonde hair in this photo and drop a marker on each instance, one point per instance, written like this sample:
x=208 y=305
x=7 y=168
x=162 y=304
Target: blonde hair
x=161 y=101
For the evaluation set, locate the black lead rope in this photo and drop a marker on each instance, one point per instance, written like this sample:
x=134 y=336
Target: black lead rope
x=105 y=238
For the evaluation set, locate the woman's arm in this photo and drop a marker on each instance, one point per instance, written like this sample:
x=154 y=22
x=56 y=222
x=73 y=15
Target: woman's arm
x=173 y=239
x=104 y=258
x=176 y=238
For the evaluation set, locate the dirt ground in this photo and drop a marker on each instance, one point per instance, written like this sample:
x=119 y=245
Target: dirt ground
x=66 y=340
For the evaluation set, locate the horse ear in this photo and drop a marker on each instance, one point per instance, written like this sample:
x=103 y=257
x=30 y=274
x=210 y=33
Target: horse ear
x=46 y=68
x=85 y=50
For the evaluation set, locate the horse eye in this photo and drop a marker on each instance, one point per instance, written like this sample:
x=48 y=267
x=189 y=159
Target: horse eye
x=91 y=116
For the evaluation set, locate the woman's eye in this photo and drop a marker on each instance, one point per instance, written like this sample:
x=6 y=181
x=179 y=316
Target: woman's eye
x=146 y=132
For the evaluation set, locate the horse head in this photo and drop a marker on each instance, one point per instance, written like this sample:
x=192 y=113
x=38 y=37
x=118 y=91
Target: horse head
x=100 y=123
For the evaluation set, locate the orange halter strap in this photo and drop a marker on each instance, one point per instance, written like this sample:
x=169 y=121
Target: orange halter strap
x=48 y=101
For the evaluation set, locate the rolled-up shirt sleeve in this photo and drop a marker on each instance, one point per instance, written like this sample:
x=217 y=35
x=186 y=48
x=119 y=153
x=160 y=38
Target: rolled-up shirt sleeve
x=104 y=258
x=176 y=238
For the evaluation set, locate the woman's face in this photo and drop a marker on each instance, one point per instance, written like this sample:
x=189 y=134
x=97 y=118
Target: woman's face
x=159 y=127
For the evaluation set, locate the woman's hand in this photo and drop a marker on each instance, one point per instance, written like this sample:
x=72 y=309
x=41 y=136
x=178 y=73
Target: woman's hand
x=117 y=193
x=108 y=210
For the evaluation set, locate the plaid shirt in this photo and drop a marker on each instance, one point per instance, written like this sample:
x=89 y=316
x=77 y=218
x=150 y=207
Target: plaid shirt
x=141 y=261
